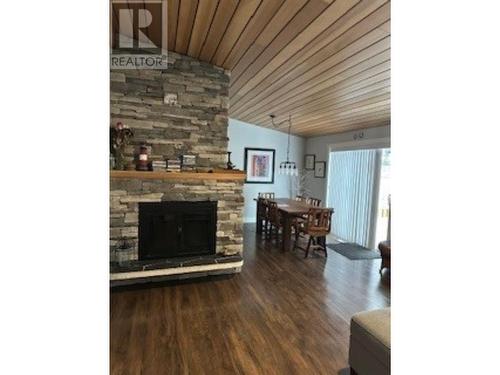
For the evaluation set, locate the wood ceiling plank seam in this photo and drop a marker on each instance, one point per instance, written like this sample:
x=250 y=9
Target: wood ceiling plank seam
x=383 y=113
x=236 y=73
x=332 y=29
x=225 y=31
x=243 y=30
x=284 y=54
x=214 y=34
x=350 y=121
x=371 y=77
x=346 y=100
x=325 y=93
x=372 y=71
x=331 y=77
x=217 y=59
x=192 y=27
x=196 y=54
x=376 y=114
x=340 y=127
x=187 y=14
x=324 y=100
x=381 y=116
x=228 y=63
x=203 y=21
x=297 y=25
x=172 y=23
x=367 y=114
x=366 y=104
x=343 y=127
x=334 y=77
x=364 y=108
x=343 y=130
x=380 y=112
x=269 y=80
x=322 y=41
x=299 y=73
x=304 y=81
x=340 y=104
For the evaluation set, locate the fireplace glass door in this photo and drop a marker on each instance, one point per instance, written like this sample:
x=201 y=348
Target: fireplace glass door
x=176 y=229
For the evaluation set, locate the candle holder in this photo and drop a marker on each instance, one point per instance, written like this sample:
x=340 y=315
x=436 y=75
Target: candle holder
x=229 y=165
x=142 y=164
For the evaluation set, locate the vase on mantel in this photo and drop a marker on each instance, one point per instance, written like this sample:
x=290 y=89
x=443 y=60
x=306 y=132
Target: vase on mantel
x=229 y=165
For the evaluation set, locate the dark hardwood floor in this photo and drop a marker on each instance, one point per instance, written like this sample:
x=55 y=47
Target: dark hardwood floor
x=282 y=315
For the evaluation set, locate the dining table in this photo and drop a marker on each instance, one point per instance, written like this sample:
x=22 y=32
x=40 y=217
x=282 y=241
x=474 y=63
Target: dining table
x=289 y=209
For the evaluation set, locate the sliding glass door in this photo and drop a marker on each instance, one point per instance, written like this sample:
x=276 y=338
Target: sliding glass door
x=353 y=192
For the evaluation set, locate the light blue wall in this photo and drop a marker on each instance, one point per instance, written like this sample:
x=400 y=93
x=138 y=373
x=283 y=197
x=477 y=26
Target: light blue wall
x=241 y=135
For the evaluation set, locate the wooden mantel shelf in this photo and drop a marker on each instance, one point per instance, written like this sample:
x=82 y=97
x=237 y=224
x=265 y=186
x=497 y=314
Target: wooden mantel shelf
x=217 y=175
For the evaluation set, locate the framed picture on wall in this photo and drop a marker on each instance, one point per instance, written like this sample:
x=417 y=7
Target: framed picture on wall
x=319 y=169
x=309 y=162
x=259 y=165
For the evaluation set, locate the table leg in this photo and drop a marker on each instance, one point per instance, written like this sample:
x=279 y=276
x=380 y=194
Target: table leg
x=287 y=231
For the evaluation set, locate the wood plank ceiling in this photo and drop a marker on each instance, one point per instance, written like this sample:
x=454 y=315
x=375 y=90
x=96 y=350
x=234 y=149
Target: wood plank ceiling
x=324 y=62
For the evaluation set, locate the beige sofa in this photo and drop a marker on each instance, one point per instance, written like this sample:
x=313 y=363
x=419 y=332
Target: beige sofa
x=370 y=343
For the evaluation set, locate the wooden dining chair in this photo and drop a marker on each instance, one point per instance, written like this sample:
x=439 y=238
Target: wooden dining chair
x=275 y=220
x=317 y=226
x=313 y=201
x=266 y=195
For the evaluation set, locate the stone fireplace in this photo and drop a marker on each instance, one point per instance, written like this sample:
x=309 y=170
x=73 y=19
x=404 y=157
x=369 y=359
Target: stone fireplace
x=181 y=110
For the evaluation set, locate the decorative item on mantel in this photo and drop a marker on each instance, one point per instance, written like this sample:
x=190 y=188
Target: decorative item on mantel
x=173 y=165
x=120 y=137
x=142 y=164
x=286 y=167
x=229 y=165
x=159 y=165
x=188 y=163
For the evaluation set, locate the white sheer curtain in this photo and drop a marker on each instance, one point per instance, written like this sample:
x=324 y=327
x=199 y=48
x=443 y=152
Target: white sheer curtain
x=353 y=189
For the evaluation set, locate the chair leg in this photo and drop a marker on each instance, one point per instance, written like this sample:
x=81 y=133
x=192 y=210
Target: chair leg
x=308 y=246
x=322 y=242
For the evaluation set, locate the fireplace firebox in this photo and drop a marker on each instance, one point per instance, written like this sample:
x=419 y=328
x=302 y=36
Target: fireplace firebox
x=177 y=229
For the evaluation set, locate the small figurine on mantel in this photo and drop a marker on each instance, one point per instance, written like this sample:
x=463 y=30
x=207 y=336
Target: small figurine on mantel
x=120 y=137
x=229 y=165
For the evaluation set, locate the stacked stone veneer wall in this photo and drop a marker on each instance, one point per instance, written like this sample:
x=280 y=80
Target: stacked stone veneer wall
x=176 y=111
x=127 y=193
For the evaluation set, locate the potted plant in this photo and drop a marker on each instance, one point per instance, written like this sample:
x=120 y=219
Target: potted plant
x=298 y=184
x=120 y=137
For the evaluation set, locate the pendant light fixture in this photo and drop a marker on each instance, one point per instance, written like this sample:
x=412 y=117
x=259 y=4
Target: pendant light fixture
x=286 y=167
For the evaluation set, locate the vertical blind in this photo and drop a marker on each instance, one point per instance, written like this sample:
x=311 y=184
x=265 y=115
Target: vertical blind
x=353 y=189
